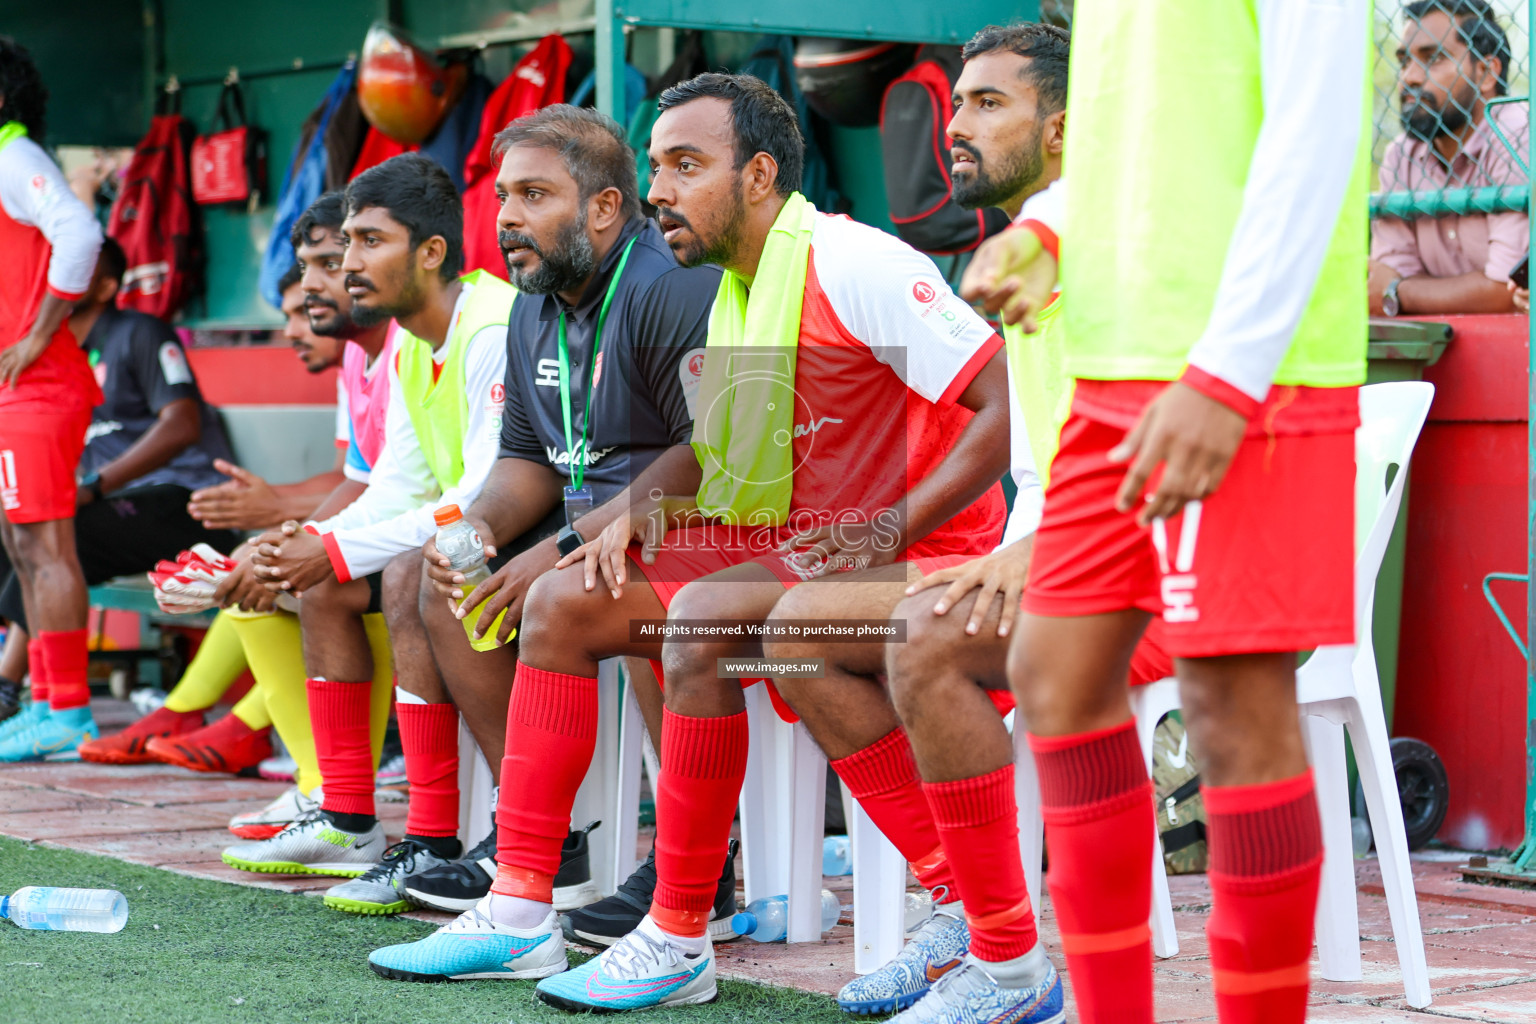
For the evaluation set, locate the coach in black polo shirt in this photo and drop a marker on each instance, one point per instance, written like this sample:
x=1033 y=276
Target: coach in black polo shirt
x=583 y=256
x=151 y=442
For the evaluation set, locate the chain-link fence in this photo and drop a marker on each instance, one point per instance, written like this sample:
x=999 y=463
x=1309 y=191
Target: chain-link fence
x=1438 y=63
x=1450 y=79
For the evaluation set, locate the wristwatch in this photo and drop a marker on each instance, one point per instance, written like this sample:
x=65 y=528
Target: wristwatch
x=1390 y=304
x=92 y=482
x=568 y=540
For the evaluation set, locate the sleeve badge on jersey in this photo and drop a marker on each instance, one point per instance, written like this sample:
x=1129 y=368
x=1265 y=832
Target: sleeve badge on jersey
x=938 y=308
x=173 y=364
x=690 y=370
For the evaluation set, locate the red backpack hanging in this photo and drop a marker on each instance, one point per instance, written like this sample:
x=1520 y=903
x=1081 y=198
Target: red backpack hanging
x=229 y=165
x=155 y=221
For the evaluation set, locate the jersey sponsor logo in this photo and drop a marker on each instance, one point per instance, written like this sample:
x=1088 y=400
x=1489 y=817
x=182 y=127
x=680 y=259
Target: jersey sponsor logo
x=498 y=393
x=597 y=371
x=9 y=498
x=938 y=308
x=1178 y=581
x=39 y=183
x=173 y=364
x=559 y=458
x=549 y=374
x=101 y=428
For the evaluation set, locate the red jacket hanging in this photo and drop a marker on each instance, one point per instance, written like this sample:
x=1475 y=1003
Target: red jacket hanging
x=537 y=81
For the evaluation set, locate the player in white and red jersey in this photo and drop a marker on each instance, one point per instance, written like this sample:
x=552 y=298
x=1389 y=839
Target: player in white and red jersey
x=50 y=240
x=899 y=431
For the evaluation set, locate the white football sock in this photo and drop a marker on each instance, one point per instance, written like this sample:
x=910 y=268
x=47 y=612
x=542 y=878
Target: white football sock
x=693 y=945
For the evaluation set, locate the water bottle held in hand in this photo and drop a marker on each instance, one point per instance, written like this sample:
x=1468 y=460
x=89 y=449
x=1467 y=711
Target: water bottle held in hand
x=50 y=908
x=836 y=856
x=458 y=542
x=767 y=920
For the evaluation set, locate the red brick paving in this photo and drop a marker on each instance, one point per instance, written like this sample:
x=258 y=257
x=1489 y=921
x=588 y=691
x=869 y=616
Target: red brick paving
x=1480 y=941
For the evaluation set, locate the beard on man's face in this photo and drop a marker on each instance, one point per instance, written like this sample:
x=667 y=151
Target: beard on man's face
x=369 y=311
x=697 y=249
x=1425 y=118
x=564 y=266
x=327 y=319
x=983 y=186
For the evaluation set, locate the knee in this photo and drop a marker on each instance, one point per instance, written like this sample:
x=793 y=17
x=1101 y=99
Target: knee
x=691 y=665
x=797 y=603
x=320 y=603
x=911 y=668
x=555 y=610
x=29 y=548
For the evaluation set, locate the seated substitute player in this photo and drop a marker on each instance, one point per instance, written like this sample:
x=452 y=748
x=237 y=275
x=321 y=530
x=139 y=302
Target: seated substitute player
x=250 y=632
x=404 y=252
x=594 y=276
x=270 y=637
x=50 y=240
x=884 y=359
x=1215 y=326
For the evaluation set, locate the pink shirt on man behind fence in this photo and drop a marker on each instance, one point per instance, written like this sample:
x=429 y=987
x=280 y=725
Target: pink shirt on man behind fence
x=1491 y=243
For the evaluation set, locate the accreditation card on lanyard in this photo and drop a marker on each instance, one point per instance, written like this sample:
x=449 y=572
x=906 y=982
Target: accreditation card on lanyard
x=578 y=495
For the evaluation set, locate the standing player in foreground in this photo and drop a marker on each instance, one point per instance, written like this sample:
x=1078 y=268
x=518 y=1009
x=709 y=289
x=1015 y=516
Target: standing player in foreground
x=1217 y=331
x=47 y=390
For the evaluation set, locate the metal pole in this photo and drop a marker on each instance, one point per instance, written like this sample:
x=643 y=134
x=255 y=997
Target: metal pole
x=1528 y=849
x=608 y=53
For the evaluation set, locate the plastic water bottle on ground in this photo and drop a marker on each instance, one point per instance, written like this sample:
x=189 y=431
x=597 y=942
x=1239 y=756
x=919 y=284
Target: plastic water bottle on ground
x=458 y=542
x=767 y=920
x=836 y=856
x=50 y=908
x=1360 y=836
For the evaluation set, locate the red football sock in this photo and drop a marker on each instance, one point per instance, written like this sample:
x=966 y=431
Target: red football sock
x=37 y=669
x=883 y=779
x=1097 y=803
x=703 y=763
x=551 y=734
x=1266 y=847
x=978 y=823
x=430 y=735
x=338 y=713
x=68 y=665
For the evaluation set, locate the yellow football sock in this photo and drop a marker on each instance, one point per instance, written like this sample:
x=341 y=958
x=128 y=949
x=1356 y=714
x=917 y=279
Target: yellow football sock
x=276 y=652
x=383 y=682
x=252 y=709
x=217 y=664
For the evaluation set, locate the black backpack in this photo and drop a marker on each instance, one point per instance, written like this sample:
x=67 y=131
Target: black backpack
x=913 y=116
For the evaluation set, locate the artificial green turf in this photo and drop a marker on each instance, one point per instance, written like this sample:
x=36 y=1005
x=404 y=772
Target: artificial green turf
x=199 y=952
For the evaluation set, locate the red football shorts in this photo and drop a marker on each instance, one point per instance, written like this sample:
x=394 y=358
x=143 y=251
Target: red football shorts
x=1264 y=564
x=38 y=455
x=690 y=555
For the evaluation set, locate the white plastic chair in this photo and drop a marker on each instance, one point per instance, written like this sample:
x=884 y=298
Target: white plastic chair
x=1338 y=689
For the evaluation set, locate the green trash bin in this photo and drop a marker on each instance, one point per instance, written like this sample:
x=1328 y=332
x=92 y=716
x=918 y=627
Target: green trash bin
x=1397 y=350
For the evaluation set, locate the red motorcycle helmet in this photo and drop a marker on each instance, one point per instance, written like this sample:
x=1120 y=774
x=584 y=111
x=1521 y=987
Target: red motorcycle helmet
x=404 y=91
